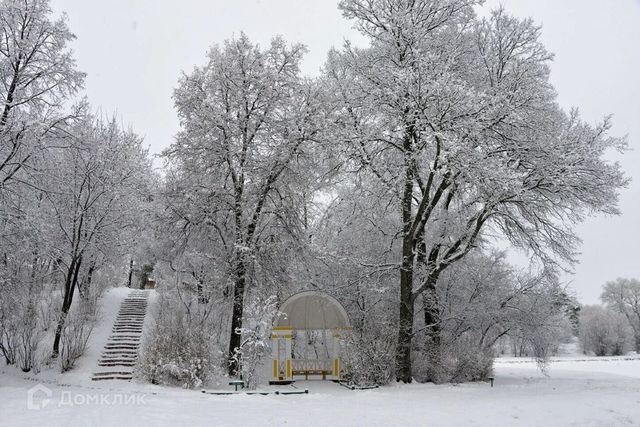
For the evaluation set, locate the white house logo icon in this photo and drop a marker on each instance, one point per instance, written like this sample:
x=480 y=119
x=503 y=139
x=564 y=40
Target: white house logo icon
x=38 y=397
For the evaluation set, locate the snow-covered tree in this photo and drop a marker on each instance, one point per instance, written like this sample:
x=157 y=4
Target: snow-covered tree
x=94 y=201
x=456 y=119
x=603 y=331
x=623 y=296
x=237 y=165
x=37 y=75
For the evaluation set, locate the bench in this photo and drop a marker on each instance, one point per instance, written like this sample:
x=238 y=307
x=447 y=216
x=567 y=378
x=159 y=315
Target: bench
x=307 y=372
x=237 y=383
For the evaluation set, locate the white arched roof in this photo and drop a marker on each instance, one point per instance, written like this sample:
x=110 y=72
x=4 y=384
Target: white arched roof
x=312 y=310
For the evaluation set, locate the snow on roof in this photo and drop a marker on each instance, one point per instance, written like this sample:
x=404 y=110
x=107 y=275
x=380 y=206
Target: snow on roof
x=312 y=310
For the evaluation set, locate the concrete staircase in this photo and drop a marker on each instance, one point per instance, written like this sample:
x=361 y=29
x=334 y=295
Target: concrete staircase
x=120 y=353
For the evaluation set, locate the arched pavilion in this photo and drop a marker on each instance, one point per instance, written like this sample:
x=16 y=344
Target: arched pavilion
x=308 y=311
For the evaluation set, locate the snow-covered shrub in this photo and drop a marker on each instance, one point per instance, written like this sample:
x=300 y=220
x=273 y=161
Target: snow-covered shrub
x=255 y=334
x=180 y=349
x=77 y=328
x=480 y=301
x=8 y=337
x=369 y=355
x=456 y=360
x=473 y=364
x=22 y=324
x=603 y=331
x=29 y=334
x=176 y=356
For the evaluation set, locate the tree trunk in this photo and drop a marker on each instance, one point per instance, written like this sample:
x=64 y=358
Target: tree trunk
x=236 y=318
x=432 y=310
x=84 y=286
x=130 y=273
x=405 y=325
x=432 y=327
x=69 y=288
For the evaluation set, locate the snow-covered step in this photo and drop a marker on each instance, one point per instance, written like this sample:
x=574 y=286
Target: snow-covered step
x=121 y=345
x=116 y=358
x=117 y=364
x=121 y=349
x=122 y=375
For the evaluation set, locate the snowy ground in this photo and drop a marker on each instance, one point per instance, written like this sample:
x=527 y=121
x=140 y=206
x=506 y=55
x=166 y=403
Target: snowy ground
x=578 y=391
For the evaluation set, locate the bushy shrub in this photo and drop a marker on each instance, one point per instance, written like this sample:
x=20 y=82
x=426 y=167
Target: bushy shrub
x=29 y=334
x=456 y=361
x=179 y=349
x=76 y=331
x=24 y=319
x=603 y=332
x=176 y=356
x=8 y=337
x=369 y=355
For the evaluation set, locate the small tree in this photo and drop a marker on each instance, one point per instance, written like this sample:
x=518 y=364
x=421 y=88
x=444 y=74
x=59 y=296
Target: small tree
x=623 y=296
x=603 y=331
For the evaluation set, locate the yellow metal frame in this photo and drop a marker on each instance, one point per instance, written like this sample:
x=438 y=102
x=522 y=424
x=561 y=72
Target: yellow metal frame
x=286 y=333
x=275 y=336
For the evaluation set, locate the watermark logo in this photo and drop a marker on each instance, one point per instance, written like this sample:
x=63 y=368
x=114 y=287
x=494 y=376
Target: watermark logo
x=38 y=397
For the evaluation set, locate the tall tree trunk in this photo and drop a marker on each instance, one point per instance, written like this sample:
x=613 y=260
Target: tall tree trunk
x=405 y=325
x=69 y=288
x=236 y=318
x=432 y=326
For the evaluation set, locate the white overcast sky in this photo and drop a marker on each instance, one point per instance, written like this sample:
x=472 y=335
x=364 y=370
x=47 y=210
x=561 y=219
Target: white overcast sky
x=135 y=50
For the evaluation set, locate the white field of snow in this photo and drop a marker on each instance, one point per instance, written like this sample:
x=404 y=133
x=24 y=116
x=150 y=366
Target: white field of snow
x=577 y=391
